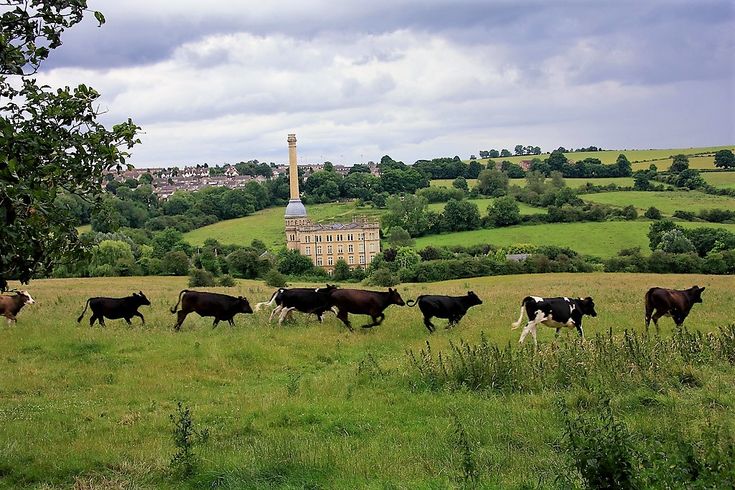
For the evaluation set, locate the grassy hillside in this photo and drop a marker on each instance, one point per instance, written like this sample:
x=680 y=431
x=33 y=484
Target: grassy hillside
x=313 y=406
x=720 y=179
x=573 y=183
x=603 y=239
x=643 y=156
x=666 y=202
x=482 y=205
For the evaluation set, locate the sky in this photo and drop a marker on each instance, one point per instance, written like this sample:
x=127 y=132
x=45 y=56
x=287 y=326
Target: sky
x=226 y=81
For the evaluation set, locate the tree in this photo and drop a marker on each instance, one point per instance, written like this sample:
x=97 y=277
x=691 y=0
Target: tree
x=407 y=257
x=341 y=271
x=461 y=216
x=652 y=213
x=292 y=262
x=245 y=263
x=175 y=263
x=409 y=212
x=674 y=241
x=725 y=159
x=400 y=237
x=519 y=149
x=505 y=153
x=504 y=212
x=624 y=167
x=461 y=184
x=492 y=183
x=680 y=163
x=657 y=229
x=50 y=140
x=359 y=168
x=473 y=169
x=493 y=154
x=556 y=161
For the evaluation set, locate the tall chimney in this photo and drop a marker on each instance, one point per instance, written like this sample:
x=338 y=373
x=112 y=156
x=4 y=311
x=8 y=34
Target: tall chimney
x=295 y=208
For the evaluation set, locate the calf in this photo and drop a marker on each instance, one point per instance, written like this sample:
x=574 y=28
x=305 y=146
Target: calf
x=10 y=306
x=671 y=302
x=451 y=307
x=114 y=308
x=555 y=313
x=305 y=300
x=361 y=302
x=220 y=306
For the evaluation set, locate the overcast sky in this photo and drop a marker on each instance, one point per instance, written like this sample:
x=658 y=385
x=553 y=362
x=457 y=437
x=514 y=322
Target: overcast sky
x=226 y=81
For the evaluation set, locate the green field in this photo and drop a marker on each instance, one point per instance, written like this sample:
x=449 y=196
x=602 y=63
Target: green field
x=666 y=202
x=725 y=180
x=642 y=156
x=603 y=239
x=268 y=224
x=482 y=205
x=313 y=406
x=573 y=183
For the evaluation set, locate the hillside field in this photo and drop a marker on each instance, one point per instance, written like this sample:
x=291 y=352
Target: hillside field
x=666 y=202
x=720 y=179
x=573 y=183
x=643 y=158
x=603 y=239
x=314 y=406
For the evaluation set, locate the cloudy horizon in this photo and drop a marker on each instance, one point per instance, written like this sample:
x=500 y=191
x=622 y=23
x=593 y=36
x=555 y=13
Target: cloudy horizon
x=227 y=82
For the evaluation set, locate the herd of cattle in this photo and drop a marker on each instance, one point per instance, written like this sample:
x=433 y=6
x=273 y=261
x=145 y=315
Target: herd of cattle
x=553 y=312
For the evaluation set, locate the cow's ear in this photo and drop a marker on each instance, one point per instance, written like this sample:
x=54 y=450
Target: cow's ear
x=701 y=289
x=240 y=297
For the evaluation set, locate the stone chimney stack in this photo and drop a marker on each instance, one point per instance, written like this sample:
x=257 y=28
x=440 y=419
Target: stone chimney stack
x=295 y=208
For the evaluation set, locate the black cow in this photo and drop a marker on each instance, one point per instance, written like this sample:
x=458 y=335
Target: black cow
x=451 y=307
x=671 y=302
x=10 y=306
x=361 y=302
x=305 y=300
x=114 y=308
x=555 y=313
x=220 y=306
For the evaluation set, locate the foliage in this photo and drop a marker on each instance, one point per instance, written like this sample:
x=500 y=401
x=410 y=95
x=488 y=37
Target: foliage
x=275 y=279
x=679 y=164
x=441 y=194
x=400 y=237
x=291 y=262
x=341 y=271
x=461 y=215
x=725 y=159
x=504 y=212
x=175 y=263
x=50 y=142
x=652 y=213
x=461 y=184
x=674 y=241
x=492 y=183
x=199 y=278
x=410 y=212
x=383 y=277
x=226 y=281
x=186 y=437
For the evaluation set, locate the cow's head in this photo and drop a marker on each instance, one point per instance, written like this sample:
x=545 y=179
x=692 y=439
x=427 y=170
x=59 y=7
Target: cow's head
x=328 y=289
x=474 y=300
x=244 y=305
x=695 y=294
x=142 y=300
x=395 y=298
x=587 y=306
x=28 y=298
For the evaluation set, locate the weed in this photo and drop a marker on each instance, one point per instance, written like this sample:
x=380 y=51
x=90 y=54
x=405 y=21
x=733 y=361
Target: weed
x=463 y=445
x=186 y=437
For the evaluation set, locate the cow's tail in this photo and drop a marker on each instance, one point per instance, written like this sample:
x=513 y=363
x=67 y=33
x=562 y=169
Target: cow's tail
x=84 y=311
x=408 y=303
x=173 y=310
x=517 y=323
x=258 y=306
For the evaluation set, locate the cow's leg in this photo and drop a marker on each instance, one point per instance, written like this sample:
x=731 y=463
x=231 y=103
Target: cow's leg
x=557 y=331
x=531 y=326
x=10 y=318
x=655 y=318
x=231 y=322
x=215 y=322
x=92 y=319
x=102 y=320
x=430 y=326
x=276 y=310
x=377 y=320
x=580 y=331
x=533 y=333
x=284 y=315
x=649 y=312
x=180 y=319
x=140 y=315
x=344 y=316
x=127 y=320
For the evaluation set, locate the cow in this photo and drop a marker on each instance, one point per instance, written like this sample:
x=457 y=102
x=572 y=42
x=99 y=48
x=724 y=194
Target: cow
x=10 y=306
x=451 y=307
x=361 y=302
x=114 y=308
x=305 y=300
x=220 y=306
x=671 y=302
x=555 y=313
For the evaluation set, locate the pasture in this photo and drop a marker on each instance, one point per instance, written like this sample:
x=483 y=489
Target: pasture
x=667 y=202
x=720 y=179
x=309 y=405
x=573 y=183
x=603 y=239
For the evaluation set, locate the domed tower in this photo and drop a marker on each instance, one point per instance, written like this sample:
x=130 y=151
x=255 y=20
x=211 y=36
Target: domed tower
x=295 y=211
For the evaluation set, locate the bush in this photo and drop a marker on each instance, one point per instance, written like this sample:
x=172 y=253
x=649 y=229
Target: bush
x=652 y=213
x=275 y=279
x=199 y=278
x=227 y=281
x=383 y=277
x=341 y=271
x=175 y=263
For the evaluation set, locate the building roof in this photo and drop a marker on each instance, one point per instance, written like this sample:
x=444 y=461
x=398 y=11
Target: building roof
x=295 y=209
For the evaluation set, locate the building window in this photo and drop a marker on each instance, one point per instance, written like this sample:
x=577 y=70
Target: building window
x=350 y=248
x=329 y=238
x=329 y=249
x=330 y=260
x=360 y=236
x=362 y=259
x=319 y=261
x=308 y=238
x=362 y=247
x=319 y=249
x=350 y=237
x=307 y=250
x=352 y=259
x=340 y=249
x=372 y=247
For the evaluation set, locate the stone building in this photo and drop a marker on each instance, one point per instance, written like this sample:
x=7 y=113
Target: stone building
x=357 y=242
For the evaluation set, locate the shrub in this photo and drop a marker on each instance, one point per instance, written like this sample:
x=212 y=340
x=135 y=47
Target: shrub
x=275 y=279
x=175 y=263
x=226 y=281
x=186 y=437
x=199 y=278
x=652 y=213
x=383 y=277
x=341 y=271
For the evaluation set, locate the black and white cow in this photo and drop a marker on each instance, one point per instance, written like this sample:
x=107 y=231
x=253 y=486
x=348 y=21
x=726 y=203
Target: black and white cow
x=440 y=306
x=305 y=300
x=555 y=313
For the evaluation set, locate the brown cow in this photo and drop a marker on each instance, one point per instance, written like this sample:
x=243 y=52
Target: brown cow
x=220 y=306
x=11 y=305
x=361 y=302
x=671 y=302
